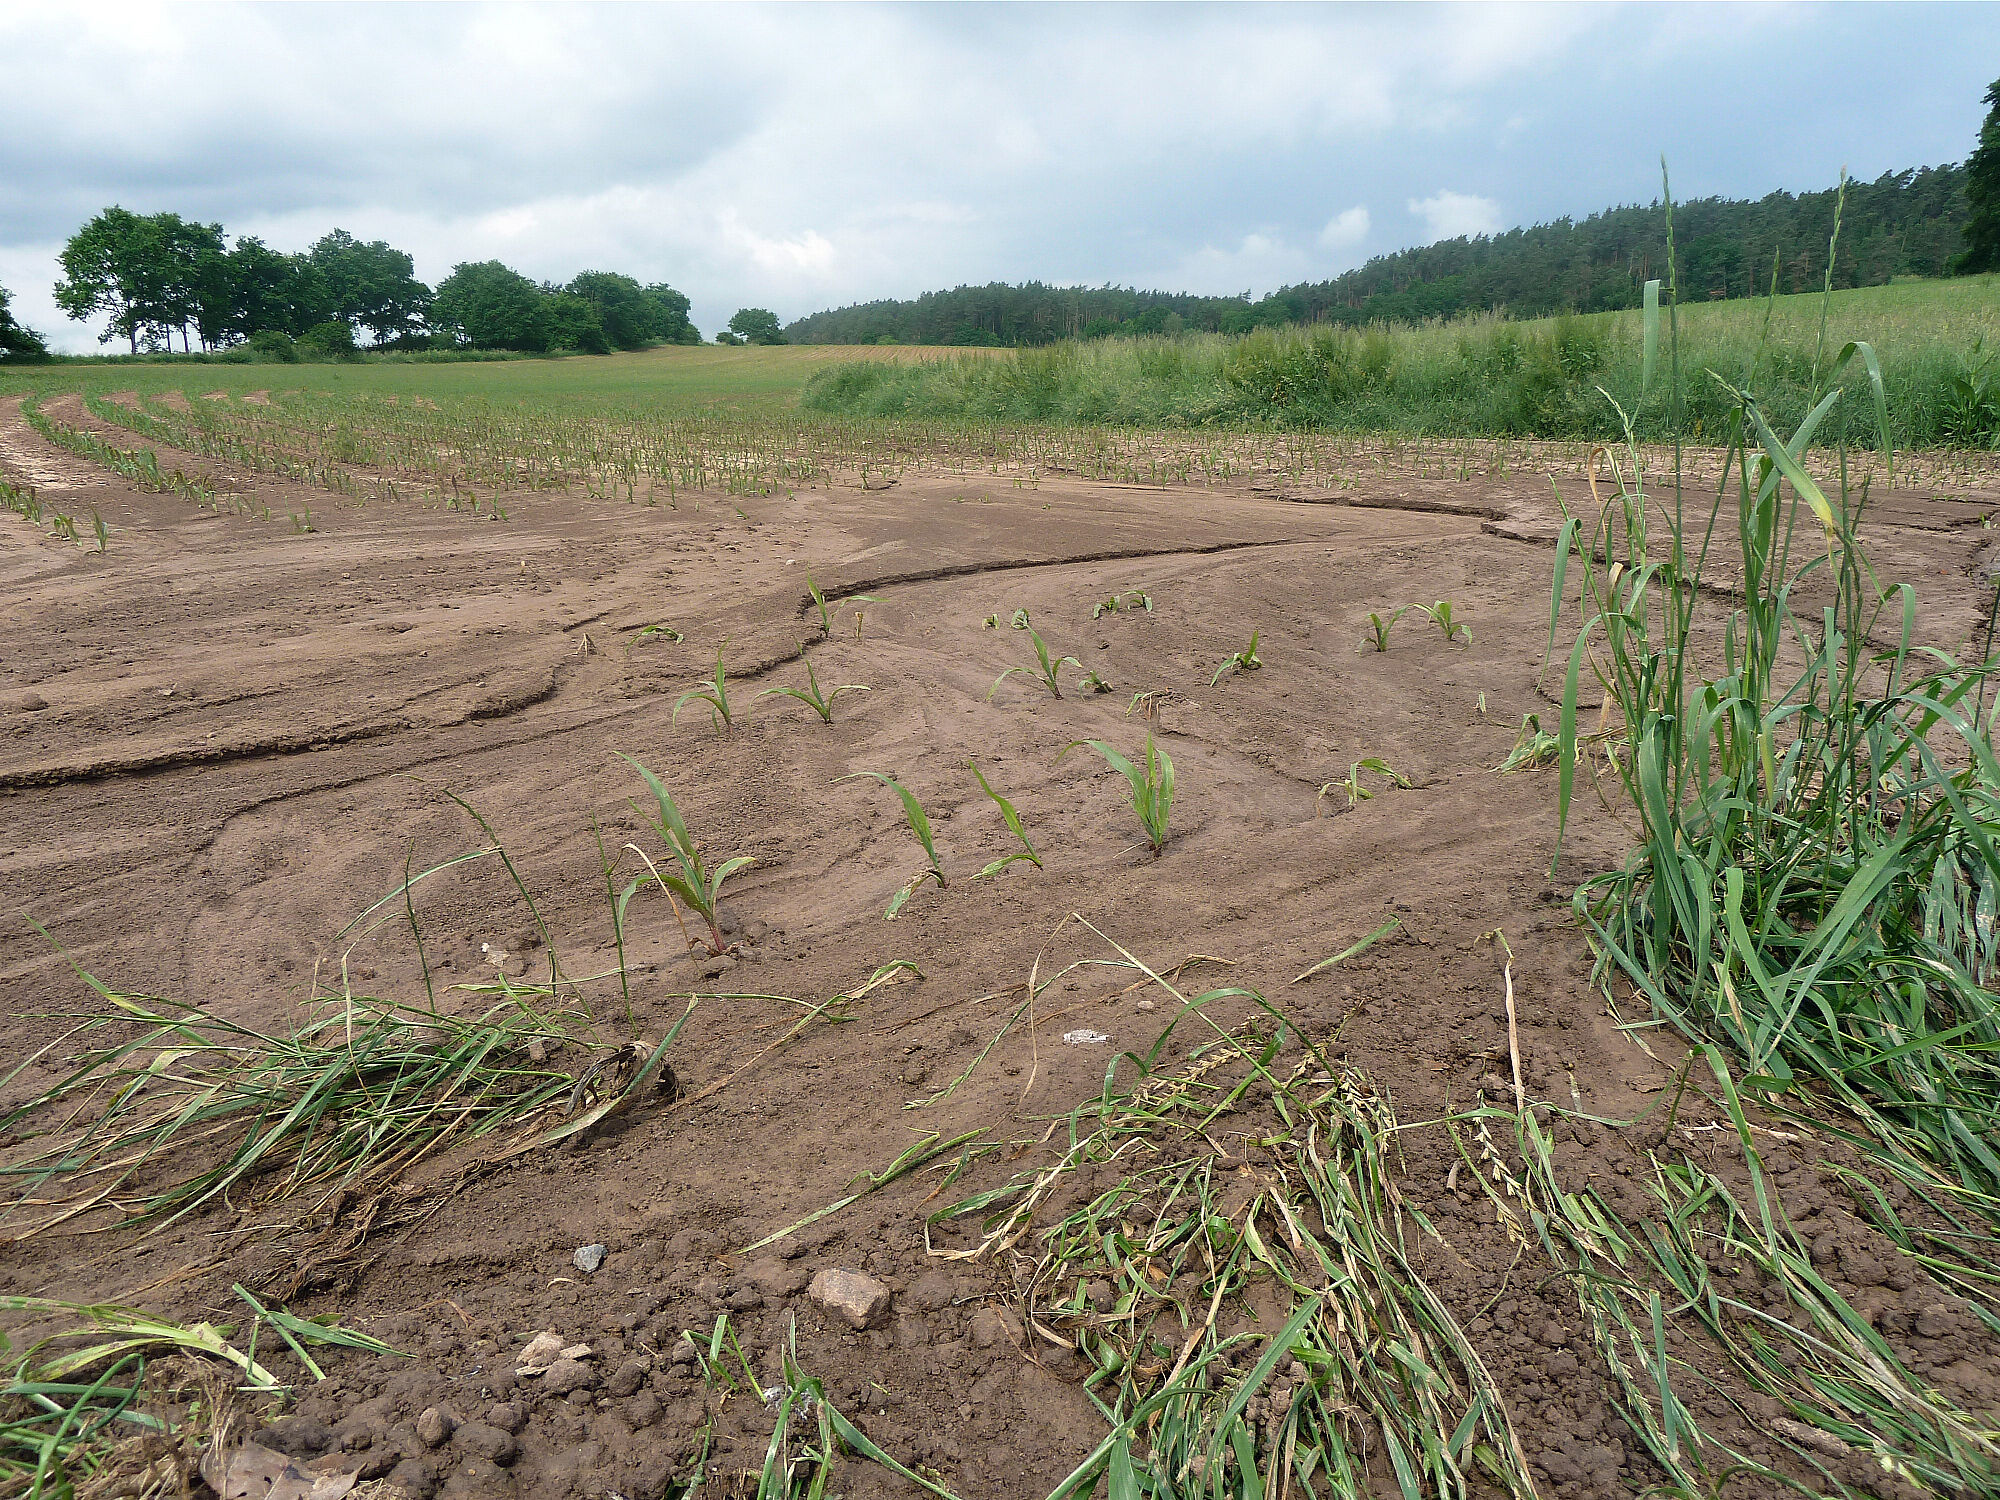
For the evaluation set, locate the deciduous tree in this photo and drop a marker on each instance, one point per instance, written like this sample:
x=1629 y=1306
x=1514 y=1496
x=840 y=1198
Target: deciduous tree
x=17 y=343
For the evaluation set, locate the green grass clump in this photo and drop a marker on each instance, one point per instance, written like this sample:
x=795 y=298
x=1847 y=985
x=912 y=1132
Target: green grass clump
x=1819 y=817
x=1481 y=376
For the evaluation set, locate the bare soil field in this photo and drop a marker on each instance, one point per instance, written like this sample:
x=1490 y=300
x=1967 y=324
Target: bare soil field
x=226 y=737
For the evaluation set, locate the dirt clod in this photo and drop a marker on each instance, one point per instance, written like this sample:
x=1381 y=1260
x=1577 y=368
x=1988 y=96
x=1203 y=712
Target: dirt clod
x=857 y=1299
x=435 y=1426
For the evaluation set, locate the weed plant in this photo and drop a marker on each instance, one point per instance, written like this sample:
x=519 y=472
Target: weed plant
x=1816 y=873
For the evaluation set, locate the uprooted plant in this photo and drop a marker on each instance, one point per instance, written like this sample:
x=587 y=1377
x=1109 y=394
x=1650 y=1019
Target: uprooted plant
x=1362 y=1382
x=1351 y=784
x=1152 y=786
x=920 y=826
x=688 y=876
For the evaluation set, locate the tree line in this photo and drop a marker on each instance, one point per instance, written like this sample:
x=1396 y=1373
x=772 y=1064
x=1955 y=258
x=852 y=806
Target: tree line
x=1933 y=221
x=155 y=276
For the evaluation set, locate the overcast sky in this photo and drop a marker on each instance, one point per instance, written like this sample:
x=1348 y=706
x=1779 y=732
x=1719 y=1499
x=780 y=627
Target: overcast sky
x=806 y=157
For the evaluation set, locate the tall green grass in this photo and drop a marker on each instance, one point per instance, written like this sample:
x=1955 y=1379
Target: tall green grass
x=1485 y=376
x=1817 y=877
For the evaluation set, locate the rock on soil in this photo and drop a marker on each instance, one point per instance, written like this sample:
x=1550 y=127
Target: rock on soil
x=857 y=1299
x=588 y=1258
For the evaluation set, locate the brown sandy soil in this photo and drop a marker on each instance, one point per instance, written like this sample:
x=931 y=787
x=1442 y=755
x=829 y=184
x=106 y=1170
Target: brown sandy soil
x=222 y=740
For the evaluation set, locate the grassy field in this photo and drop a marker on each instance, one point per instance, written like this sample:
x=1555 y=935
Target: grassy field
x=1482 y=377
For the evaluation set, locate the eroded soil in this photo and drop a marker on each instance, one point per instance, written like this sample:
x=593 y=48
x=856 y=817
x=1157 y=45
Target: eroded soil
x=227 y=736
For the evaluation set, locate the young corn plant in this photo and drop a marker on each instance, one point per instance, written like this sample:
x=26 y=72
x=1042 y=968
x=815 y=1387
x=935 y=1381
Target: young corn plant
x=810 y=695
x=1093 y=681
x=1352 y=786
x=688 y=876
x=714 y=694
x=920 y=825
x=1131 y=600
x=1440 y=615
x=1377 y=638
x=1013 y=821
x=825 y=609
x=1152 y=787
x=1245 y=660
x=1044 y=671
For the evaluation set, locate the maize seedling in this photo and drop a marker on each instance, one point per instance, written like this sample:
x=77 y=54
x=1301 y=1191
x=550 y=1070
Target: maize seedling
x=1440 y=615
x=1044 y=671
x=810 y=695
x=1245 y=660
x=662 y=630
x=1152 y=788
x=1351 y=784
x=690 y=879
x=1095 y=682
x=920 y=825
x=826 y=610
x=1013 y=819
x=714 y=693
x=1138 y=599
x=1379 y=628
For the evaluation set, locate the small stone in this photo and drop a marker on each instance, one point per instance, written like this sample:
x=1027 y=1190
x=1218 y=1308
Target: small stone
x=506 y=1416
x=31 y=703
x=567 y=1375
x=412 y=1478
x=684 y=1352
x=434 y=1426
x=543 y=1350
x=578 y=1351
x=488 y=1442
x=776 y=1278
x=856 y=1299
x=588 y=1258
x=626 y=1379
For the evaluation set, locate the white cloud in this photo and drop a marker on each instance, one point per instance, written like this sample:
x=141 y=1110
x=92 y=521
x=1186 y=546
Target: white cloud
x=1346 y=229
x=1447 y=215
x=803 y=157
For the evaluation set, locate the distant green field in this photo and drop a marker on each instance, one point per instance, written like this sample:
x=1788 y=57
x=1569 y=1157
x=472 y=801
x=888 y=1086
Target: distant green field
x=1482 y=377
x=1486 y=376
x=673 y=376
